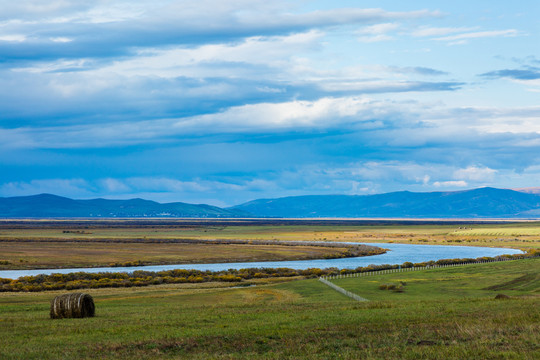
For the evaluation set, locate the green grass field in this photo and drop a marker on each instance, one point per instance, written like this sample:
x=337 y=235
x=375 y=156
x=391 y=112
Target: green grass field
x=442 y=314
x=516 y=278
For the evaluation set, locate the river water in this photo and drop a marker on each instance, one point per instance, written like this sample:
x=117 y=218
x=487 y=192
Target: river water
x=397 y=254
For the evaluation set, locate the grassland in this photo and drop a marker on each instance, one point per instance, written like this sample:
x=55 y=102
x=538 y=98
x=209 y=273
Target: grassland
x=66 y=254
x=523 y=235
x=515 y=279
x=83 y=243
x=442 y=314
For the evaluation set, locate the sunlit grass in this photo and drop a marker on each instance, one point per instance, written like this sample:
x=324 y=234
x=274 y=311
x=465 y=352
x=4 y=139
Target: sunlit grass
x=471 y=281
x=441 y=314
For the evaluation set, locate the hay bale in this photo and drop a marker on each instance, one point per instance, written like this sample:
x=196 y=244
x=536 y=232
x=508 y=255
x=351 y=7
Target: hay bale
x=502 y=296
x=75 y=305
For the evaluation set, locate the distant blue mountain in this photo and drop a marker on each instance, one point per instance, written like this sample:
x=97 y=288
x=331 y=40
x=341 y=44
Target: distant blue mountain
x=47 y=205
x=478 y=203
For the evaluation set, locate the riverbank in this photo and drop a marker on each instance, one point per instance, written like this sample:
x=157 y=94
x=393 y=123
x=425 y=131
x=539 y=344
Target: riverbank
x=27 y=254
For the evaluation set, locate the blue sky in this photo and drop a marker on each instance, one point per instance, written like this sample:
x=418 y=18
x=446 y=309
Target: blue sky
x=222 y=102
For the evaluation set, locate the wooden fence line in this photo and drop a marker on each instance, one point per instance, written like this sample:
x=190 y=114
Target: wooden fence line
x=402 y=269
x=324 y=279
x=342 y=290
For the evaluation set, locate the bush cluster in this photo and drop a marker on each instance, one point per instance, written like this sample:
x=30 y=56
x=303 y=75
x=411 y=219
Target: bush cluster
x=84 y=280
x=394 y=287
x=128 y=264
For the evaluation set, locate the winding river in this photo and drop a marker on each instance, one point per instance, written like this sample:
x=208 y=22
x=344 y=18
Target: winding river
x=398 y=254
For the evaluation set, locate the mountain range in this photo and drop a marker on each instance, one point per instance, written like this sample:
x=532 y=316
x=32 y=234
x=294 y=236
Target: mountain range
x=476 y=203
x=47 y=205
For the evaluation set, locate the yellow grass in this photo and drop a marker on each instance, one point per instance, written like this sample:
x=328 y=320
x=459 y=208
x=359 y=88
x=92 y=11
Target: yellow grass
x=45 y=254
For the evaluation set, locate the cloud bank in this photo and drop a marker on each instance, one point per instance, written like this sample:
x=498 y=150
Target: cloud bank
x=224 y=102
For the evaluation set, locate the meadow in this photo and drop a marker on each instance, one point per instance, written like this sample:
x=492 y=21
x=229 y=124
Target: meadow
x=442 y=313
x=449 y=313
x=478 y=232
x=66 y=254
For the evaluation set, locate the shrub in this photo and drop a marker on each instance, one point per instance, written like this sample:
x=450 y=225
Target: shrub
x=393 y=287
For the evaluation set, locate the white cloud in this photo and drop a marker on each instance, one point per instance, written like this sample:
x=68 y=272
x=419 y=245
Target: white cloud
x=231 y=60
x=61 y=39
x=440 y=31
x=377 y=32
x=162 y=184
x=268 y=89
x=113 y=185
x=76 y=11
x=194 y=62
x=378 y=29
x=375 y=38
x=156 y=77
x=531 y=82
x=13 y=38
x=400 y=123
x=367 y=85
x=53 y=66
x=504 y=120
x=460 y=183
x=116 y=21
x=479 y=34
x=324 y=113
x=473 y=173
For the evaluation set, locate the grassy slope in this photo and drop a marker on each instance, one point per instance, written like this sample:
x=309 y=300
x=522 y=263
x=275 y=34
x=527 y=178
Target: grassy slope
x=515 y=278
x=298 y=319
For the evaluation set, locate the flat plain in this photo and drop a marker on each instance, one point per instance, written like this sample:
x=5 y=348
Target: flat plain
x=82 y=243
x=442 y=313
x=447 y=313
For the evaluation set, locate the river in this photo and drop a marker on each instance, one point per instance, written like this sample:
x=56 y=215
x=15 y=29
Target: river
x=398 y=254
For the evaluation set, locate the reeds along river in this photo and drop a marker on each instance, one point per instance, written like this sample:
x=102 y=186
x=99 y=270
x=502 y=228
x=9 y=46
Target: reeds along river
x=397 y=254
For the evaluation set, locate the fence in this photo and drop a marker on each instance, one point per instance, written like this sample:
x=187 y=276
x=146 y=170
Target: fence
x=342 y=290
x=417 y=268
x=324 y=279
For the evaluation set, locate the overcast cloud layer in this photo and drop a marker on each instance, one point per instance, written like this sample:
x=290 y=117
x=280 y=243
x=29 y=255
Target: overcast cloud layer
x=223 y=102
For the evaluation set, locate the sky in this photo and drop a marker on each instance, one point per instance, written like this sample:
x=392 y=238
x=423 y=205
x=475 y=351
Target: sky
x=223 y=102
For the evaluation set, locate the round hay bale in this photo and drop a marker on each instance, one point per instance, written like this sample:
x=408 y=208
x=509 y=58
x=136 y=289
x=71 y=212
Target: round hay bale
x=502 y=296
x=74 y=305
